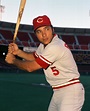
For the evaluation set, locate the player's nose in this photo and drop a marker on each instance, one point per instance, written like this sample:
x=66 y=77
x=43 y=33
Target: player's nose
x=43 y=34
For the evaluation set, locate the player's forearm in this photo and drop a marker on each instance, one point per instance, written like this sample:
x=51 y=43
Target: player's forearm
x=26 y=65
x=25 y=55
x=23 y=65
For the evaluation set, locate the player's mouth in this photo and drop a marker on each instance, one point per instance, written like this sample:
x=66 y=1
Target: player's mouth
x=45 y=40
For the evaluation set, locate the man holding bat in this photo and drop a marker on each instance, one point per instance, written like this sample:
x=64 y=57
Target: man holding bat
x=56 y=59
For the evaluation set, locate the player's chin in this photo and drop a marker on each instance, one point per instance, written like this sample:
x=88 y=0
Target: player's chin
x=45 y=43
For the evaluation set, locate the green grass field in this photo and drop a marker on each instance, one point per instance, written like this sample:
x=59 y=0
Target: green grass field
x=22 y=92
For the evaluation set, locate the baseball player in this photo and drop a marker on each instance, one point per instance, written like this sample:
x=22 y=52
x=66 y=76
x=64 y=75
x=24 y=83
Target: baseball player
x=56 y=59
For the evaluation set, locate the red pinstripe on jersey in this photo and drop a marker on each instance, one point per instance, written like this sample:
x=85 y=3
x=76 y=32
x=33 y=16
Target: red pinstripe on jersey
x=71 y=82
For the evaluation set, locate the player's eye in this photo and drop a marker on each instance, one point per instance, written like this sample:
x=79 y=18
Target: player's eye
x=38 y=32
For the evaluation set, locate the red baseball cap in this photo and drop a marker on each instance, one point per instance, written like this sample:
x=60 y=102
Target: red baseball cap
x=41 y=21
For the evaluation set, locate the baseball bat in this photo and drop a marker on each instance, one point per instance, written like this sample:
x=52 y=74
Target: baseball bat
x=21 y=9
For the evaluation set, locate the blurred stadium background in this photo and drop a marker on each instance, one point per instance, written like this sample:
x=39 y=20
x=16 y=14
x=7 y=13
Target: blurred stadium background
x=23 y=91
x=78 y=39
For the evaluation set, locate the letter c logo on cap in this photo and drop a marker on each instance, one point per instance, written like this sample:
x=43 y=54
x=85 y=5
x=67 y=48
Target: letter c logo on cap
x=40 y=20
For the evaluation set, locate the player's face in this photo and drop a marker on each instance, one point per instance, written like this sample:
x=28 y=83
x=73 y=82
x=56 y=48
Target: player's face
x=44 y=34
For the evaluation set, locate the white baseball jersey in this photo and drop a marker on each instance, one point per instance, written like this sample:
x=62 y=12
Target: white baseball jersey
x=57 y=61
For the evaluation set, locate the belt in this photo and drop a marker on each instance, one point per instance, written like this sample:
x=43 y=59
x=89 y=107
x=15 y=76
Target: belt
x=71 y=82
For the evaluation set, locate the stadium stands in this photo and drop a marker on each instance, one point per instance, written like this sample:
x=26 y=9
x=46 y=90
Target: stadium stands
x=7 y=34
x=78 y=40
x=29 y=39
x=35 y=40
x=84 y=41
x=23 y=36
x=34 y=37
x=69 y=39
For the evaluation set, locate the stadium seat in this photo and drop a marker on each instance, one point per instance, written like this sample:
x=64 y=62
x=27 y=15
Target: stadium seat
x=84 y=41
x=7 y=34
x=5 y=42
x=84 y=47
x=26 y=43
x=32 y=44
x=69 y=39
x=23 y=36
x=34 y=37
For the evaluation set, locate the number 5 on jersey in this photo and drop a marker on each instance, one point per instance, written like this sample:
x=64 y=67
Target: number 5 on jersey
x=55 y=71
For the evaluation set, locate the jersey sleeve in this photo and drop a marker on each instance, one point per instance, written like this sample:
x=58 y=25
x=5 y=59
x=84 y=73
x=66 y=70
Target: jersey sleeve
x=48 y=56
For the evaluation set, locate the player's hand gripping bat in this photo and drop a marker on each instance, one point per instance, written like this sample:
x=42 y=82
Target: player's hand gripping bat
x=21 y=9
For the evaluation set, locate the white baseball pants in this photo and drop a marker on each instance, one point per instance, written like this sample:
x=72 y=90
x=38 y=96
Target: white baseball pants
x=70 y=98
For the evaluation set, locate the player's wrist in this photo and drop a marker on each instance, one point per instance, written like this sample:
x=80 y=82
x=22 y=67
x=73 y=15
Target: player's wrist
x=19 y=52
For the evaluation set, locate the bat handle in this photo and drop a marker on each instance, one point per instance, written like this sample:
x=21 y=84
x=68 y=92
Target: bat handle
x=13 y=41
x=14 y=38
